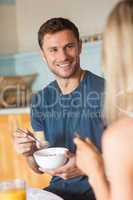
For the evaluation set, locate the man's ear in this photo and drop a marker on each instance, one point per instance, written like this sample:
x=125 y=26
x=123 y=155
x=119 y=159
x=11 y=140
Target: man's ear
x=43 y=55
x=80 y=46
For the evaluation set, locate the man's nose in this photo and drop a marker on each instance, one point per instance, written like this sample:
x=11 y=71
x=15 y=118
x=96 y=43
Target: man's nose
x=62 y=55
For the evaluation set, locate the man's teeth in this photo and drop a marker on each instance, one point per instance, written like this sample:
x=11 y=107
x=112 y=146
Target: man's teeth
x=63 y=65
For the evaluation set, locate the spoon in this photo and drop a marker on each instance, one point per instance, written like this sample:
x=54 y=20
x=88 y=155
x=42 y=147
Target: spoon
x=31 y=136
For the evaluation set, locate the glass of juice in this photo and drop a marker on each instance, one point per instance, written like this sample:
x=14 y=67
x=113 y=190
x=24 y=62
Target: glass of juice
x=13 y=190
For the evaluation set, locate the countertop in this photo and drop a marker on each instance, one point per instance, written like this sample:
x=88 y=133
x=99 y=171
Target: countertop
x=9 y=111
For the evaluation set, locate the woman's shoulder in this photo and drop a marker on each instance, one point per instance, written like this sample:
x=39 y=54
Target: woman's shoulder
x=118 y=138
x=118 y=151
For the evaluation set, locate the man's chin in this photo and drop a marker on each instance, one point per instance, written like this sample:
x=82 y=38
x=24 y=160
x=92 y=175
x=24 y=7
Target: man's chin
x=66 y=75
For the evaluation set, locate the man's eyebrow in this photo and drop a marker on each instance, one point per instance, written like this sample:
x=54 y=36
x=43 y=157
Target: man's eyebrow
x=70 y=43
x=54 y=47
x=67 y=44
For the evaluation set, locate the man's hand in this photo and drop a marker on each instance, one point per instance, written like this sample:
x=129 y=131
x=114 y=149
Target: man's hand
x=67 y=171
x=24 y=144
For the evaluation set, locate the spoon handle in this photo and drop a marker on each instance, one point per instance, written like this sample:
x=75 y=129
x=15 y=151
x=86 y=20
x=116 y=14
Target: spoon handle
x=31 y=136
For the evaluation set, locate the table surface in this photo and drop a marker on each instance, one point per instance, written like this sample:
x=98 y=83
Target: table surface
x=38 y=194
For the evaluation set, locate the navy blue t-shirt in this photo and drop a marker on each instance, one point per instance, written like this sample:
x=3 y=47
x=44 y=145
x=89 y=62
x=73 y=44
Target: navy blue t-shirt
x=60 y=116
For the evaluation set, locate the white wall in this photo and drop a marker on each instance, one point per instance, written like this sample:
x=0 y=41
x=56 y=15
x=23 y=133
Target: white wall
x=20 y=22
x=89 y=15
x=8 y=29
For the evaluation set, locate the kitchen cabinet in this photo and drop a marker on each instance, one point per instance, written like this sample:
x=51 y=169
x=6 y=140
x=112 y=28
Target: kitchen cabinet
x=13 y=165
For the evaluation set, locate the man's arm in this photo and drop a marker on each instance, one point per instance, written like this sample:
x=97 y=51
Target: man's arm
x=32 y=164
x=27 y=146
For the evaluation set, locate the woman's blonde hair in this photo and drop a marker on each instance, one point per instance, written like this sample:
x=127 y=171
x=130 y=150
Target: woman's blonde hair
x=118 y=61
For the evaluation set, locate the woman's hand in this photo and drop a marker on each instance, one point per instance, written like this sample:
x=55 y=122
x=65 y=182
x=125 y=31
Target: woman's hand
x=88 y=158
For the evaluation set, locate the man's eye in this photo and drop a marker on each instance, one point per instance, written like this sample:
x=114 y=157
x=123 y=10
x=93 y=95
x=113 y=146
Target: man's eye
x=53 y=50
x=70 y=46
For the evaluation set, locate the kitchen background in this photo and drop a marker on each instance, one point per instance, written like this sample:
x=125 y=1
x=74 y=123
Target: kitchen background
x=20 y=21
x=19 y=55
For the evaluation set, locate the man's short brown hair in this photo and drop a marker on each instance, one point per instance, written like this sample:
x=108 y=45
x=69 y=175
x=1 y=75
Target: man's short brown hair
x=54 y=25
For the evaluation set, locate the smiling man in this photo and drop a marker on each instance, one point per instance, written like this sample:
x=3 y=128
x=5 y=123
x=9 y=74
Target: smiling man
x=71 y=103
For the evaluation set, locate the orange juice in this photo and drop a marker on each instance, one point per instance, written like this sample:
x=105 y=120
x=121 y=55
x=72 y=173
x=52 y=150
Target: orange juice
x=13 y=194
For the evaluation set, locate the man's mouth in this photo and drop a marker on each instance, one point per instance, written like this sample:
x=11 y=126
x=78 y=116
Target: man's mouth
x=63 y=65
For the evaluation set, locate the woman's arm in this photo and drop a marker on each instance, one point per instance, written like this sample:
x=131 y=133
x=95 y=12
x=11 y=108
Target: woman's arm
x=90 y=161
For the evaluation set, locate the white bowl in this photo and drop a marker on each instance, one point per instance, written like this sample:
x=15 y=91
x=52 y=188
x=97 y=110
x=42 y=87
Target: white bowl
x=51 y=158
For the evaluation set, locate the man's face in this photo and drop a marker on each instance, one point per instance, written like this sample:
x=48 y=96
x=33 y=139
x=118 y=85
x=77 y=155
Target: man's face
x=61 y=50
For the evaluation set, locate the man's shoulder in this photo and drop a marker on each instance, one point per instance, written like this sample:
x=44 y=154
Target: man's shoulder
x=96 y=82
x=47 y=88
x=45 y=92
x=93 y=76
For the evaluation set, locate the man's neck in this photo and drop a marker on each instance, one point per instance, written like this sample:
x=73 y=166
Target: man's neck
x=68 y=85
